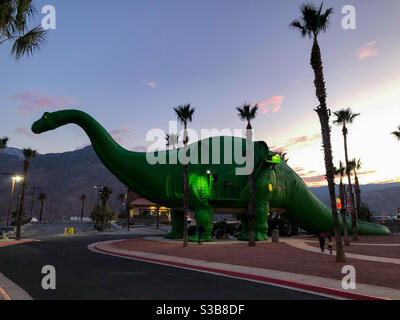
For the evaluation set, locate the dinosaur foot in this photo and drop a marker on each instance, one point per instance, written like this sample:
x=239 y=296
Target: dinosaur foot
x=195 y=238
x=259 y=236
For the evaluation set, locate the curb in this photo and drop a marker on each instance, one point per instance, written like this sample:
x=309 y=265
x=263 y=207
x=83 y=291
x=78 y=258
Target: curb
x=11 y=291
x=10 y=243
x=247 y=276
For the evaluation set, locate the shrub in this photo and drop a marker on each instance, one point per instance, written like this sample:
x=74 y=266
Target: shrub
x=102 y=218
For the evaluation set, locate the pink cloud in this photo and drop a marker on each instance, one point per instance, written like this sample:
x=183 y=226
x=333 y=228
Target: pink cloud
x=367 y=50
x=299 y=142
x=32 y=102
x=152 y=84
x=24 y=96
x=120 y=134
x=273 y=104
x=23 y=131
x=139 y=148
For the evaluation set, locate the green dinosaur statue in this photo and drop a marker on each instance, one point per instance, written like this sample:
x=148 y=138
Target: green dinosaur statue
x=214 y=187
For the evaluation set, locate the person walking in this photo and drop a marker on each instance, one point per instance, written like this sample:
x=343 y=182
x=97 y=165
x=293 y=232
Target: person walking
x=329 y=243
x=322 y=242
x=200 y=231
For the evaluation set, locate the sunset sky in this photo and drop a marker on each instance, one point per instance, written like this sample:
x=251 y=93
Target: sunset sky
x=127 y=63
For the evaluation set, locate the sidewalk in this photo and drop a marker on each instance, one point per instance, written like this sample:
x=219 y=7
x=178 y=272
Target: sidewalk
x=272 y=263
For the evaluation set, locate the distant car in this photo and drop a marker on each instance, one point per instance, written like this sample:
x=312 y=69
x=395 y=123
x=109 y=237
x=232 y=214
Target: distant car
x=34 y=220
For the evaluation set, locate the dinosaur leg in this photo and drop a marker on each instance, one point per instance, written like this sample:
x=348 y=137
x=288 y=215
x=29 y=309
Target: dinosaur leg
x=177 y=225
x=205 y=217
x=260 y=223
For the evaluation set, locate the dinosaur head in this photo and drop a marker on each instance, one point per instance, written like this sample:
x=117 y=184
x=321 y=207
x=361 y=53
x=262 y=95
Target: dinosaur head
x=45 y=123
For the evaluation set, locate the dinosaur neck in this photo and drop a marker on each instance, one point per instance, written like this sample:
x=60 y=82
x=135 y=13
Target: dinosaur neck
x=104 y=145
x=124 y=164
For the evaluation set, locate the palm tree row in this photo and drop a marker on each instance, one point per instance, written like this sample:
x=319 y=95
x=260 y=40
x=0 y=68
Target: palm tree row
x=344 y=117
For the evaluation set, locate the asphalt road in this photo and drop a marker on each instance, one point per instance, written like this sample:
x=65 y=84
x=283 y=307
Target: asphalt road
x=83 y=274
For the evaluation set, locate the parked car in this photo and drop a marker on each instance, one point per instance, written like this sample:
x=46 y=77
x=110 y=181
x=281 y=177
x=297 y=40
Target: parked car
x=34 y=220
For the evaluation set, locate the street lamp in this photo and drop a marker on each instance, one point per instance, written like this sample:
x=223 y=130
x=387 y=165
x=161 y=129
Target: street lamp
x=99 y=188
x=14 y=179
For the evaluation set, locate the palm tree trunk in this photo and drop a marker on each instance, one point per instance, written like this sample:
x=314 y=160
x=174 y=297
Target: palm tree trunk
x=252 y=188
x=358 y=191
x=251 y=209
x=185 y=191
x=83 y=202
x=21 y=201
x=316 y=63
x=41 y=210
x=353 y=214
x=344 y=221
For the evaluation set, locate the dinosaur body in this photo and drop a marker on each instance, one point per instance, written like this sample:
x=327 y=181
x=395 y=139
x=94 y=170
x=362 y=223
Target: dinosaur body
x=214 y=185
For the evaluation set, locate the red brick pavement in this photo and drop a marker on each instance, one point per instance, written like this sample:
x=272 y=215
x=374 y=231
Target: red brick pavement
x=274 y=256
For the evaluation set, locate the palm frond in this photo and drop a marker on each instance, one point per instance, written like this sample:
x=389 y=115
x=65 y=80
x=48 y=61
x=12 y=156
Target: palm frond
x=29 y=42
x=29 y=154
x=345 y=116
x=312 y=20
x=3 y=143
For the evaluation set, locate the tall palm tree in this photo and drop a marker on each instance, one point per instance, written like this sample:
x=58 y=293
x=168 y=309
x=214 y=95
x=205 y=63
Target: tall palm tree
x=345 y=117
x=340 y=172
x=248 y=113
x=355 y=166
x=41 y=197
x=171 y=140
x=82 y=197
x=104 y=197
x=3 y=143
x=14 y=17
x=312 y=22
x=397 y=133
x=29 y=154
x=184 y=114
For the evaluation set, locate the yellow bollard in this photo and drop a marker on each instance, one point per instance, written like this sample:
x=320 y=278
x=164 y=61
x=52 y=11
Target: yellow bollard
x=69 y=231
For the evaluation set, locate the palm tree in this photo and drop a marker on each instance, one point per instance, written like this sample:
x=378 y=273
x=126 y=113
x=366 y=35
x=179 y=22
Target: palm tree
x=14 y=17
x=82 y=198
x=397 y=133
x=340 y=172
x=29 y=154
x=171 y=140
x=312 y=22
x=41 y=197
x=355 y=166
x=248 y=113
x=343 y=118
x=184 y=114
x=3 y=143
x=104 y=197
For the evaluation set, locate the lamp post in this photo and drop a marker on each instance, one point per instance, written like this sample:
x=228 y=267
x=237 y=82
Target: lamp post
x=14 y=179
x=33 y=197
x=99 y=188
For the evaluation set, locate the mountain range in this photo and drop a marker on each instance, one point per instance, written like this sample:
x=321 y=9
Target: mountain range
x=65 y=176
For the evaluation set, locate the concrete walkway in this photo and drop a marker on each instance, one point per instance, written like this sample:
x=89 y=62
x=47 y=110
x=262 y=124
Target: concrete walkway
x=294 y=281
x=301 y=244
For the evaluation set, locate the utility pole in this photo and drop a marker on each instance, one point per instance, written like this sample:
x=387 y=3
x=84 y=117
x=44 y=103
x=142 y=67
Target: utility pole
x=33 y=198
